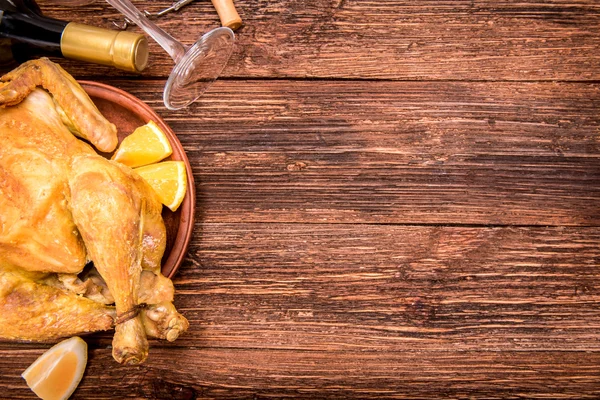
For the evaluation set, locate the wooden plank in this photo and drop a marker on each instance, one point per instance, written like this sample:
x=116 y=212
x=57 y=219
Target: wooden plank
x=351 y=237
x=241 y=374
x=399 y=39
x=323 y=287
x=392 y=152
x=367 y=310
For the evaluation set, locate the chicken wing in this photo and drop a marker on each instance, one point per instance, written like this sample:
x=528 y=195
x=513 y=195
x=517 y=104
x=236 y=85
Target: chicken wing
x=32 y=310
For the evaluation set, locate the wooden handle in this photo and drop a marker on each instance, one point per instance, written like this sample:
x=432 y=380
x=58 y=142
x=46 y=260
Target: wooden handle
x=227 y=13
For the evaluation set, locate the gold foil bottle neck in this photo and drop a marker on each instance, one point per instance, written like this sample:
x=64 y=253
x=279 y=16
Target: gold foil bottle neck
x=120 y=49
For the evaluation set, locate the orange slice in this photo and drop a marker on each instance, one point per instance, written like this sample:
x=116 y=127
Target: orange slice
x=168 y=179
x=146 y=145
x=56 y=373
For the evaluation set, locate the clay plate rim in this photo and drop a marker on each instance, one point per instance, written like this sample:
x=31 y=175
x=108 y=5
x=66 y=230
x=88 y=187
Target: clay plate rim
x=185 y=214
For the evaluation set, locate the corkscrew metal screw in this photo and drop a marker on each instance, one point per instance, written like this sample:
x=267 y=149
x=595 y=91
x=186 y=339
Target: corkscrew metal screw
x=174 y=7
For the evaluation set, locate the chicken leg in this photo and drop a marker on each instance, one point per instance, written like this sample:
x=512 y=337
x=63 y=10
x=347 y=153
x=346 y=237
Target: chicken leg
x=118 y=216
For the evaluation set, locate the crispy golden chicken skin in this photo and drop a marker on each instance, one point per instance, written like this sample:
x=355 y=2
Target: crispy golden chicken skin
x=63 y=205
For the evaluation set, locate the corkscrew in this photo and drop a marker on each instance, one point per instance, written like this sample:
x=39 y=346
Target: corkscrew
x=176 y=6
x=229 y=16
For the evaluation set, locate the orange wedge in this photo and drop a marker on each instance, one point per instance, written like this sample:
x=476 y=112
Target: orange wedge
x=146 y=145
x=168 y=179
x=56 y=373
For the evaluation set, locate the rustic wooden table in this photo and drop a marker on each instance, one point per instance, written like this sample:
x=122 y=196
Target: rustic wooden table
x=396 y=199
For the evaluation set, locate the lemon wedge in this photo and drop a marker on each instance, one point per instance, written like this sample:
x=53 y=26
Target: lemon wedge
x=146 y=145
x=168 y=179
x=56 y=373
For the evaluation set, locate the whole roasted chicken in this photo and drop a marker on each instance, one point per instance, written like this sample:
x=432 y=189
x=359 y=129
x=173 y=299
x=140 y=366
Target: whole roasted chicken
x=63 y=206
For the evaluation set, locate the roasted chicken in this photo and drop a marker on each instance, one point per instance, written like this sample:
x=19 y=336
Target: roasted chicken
x=81 y=237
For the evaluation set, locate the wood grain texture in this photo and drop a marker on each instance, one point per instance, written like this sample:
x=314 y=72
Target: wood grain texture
x=376 y=287
x=392 y=152
x=367 y=311
x=338 y=375
x=395 y=199
x=395 y=39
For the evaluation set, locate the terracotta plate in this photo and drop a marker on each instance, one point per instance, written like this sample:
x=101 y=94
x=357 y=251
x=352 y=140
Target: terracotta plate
x=127 y=113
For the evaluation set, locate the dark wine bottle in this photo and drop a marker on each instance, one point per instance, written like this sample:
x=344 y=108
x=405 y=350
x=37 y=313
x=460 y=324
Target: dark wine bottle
x=25 y=34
